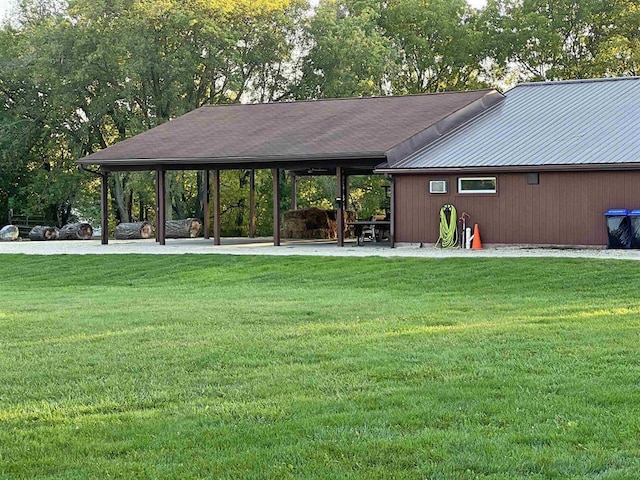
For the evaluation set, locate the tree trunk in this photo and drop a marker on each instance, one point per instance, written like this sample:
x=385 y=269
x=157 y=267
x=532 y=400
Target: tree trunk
x=120 y=181
x=76 y=231
x=9 y=233
x=200 y=179
x=39 y=232
x=134 y=230
x=186 y=228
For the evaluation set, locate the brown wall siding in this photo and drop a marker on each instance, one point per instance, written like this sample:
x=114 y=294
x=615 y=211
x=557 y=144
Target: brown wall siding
x=566 y=208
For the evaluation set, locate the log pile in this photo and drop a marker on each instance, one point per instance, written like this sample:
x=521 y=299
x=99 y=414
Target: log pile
x=312 y=223
x=185 y=228
x=133 y=230
x=41 y=233
x=76 y=231
x=9 y=233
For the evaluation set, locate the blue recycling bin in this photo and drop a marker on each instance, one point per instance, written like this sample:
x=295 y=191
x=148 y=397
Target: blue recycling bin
x=618 y=228
x=634 y=227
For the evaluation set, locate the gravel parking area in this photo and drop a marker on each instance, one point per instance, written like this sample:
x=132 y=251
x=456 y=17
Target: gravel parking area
x=264 y=246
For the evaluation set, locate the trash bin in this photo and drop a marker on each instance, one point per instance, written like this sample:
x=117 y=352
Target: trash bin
x=634 y=228
x=618 y=228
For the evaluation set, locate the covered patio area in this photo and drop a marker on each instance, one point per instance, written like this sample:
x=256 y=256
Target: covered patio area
x=213 y=205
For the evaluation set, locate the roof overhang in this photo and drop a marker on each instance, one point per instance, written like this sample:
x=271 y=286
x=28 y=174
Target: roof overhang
x=508 y=169
x=360 y=161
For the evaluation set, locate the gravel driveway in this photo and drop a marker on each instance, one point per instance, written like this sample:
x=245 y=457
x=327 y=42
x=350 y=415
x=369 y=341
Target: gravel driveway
x=264 y=246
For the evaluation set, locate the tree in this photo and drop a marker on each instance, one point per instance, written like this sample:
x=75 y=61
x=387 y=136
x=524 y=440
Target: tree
x=439 y=47
x=347 y=52
x=564 y=39
x=34 y=127
x=619 y=53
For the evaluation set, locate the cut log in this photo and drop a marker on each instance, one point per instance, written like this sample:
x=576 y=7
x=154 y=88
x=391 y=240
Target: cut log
x=9 y=233
x=40 y=232
x=185 y=228
x=133 y=230
x=76 y=231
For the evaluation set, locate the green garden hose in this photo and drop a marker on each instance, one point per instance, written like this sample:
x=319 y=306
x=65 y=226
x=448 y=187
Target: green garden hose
x=448 y=227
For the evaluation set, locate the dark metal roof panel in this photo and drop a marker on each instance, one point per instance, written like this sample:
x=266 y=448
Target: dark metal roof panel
x=586 y=122
x=294 y=130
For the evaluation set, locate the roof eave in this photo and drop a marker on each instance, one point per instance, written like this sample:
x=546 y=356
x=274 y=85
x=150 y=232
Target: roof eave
x=231 y=163
x=510 y=169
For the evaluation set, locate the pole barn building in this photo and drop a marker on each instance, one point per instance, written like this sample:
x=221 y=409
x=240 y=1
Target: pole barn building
x=540 y=167
x=539 y=164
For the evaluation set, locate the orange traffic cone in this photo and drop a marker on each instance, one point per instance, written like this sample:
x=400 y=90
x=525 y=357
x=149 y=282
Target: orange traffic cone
x=477 y=243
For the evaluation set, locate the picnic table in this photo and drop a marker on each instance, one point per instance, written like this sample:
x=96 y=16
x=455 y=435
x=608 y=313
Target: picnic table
x=376 y=228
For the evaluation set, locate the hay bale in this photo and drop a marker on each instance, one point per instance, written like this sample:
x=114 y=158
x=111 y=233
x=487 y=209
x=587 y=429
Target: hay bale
x=306 y=223
x=312 y=223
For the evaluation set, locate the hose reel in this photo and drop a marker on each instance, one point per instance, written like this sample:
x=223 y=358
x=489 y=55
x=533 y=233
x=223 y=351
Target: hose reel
x=448 y=227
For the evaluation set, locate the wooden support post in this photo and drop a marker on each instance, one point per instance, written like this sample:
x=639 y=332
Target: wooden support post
x=104 y=208
x=340 y=207
x=252 y=203
x=157 y=185
x=276 y=206
x=392 y=213
x=162 y=208
x=216 y=207
x=294 y=191
x=206 y=210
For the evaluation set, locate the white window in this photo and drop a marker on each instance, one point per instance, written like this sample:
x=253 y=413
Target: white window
x=477 y=185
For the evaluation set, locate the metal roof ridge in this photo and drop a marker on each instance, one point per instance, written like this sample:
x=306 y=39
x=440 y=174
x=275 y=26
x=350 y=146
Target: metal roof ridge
x=574 y=81
x=448 y=134
x=317 y=100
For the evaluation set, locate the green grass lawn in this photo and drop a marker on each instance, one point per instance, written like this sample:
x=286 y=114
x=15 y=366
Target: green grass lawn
x=262 y=367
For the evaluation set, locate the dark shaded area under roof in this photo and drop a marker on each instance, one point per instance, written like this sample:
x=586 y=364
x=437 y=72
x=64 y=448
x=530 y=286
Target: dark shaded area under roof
x=356 y=132
x=567 y=125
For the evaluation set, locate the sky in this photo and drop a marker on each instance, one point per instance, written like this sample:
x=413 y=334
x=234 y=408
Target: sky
x=5 y=4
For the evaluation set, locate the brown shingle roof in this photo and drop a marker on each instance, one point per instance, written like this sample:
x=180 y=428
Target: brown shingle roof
x=295 y=131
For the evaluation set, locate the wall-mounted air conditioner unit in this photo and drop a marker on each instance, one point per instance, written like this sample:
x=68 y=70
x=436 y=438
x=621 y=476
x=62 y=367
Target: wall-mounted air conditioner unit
x=438 y=186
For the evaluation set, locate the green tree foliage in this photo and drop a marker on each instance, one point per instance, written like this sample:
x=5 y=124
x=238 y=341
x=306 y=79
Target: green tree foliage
x=38 y=151
x=619 y=53
x=348 y=54
x=369 y=47
x=563 y=39
x=437 y=43
x=88 y=74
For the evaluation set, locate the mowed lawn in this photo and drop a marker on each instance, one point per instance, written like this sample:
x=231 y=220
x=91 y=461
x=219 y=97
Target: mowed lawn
x=264 y=367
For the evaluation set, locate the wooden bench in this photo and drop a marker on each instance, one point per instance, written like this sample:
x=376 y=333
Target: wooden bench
x=26 y=222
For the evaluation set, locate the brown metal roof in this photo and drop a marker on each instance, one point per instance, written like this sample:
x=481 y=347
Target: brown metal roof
x=304 y=133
